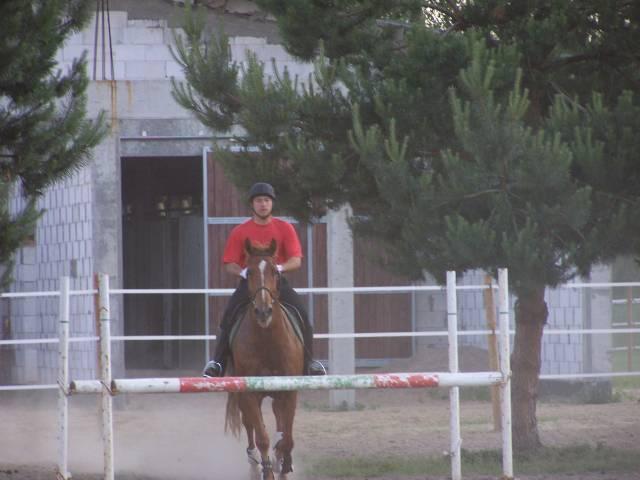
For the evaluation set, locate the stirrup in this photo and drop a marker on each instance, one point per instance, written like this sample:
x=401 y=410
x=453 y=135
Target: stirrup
x=316 y=368
x=212 y=369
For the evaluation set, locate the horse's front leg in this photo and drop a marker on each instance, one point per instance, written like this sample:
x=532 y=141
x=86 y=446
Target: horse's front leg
x=253 y=422
x=284 y=408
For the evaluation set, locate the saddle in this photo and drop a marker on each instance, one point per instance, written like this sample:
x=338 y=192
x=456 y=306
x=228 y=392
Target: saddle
x=292 y=313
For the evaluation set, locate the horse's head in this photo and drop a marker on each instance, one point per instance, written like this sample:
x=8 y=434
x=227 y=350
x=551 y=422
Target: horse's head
x=262 y=276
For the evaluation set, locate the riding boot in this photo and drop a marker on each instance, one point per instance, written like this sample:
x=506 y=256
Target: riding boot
x=216 y=367
x=311 y=366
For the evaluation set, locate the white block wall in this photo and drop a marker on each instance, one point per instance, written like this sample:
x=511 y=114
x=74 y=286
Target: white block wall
x=560 y=353
x=63 y=247
x=141 y=51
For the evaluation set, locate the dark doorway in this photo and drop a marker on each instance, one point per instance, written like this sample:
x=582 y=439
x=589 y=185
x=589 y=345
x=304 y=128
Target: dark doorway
x=163 y=248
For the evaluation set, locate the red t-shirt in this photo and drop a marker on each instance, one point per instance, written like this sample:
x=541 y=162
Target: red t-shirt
x=288 y=244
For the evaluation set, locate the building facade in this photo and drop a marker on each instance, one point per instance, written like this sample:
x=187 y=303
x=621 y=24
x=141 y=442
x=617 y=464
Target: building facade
x=151 y=210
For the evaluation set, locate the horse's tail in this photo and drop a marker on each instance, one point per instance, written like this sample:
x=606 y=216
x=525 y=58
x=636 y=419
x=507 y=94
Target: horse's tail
x=232 y=422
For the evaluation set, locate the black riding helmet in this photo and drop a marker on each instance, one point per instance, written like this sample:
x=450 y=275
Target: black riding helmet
x=261 y=188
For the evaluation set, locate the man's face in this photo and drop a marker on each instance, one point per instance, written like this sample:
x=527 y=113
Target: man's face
x=262 y=205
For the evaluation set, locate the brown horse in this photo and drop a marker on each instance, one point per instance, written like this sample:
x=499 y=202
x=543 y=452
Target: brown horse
x=265 y=344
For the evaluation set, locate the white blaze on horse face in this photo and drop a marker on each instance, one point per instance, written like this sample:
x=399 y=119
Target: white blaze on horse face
x=262 y=265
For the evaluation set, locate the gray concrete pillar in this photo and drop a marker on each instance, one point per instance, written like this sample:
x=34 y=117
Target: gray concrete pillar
x=341 y=305
x=107 y=214
x=598 y=314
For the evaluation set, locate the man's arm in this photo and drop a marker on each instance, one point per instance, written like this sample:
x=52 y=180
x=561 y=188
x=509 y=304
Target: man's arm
x=292 y=264
x=233 y=269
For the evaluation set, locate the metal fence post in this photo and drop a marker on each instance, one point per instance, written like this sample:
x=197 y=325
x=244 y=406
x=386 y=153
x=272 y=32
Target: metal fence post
x=63 y=381
x=505 y=369
x=104 y=314
x=454 y=392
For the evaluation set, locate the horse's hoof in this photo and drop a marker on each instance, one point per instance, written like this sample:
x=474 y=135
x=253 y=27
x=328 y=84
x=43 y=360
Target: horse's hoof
x=267 y=470
x=255 y=472
x=277 y=465
x=268 y=475
x=253 y=456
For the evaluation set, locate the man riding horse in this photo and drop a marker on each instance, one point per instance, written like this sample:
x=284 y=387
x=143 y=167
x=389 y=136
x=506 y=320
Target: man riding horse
x=260 y=230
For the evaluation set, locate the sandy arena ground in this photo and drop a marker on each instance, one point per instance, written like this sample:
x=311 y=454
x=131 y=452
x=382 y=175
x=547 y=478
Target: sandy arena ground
x=181 y=436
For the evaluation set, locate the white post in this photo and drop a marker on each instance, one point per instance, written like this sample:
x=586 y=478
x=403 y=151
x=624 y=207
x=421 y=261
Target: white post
x=342 y=351
x=63 y=381
x=505 y=369
x=105 y=374
x=454 y=392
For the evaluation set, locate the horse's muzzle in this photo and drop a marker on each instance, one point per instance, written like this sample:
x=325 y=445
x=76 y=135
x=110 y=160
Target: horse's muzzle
x=264 y=316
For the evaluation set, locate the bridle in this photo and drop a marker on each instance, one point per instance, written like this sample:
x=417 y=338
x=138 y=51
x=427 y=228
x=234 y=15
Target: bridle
x=272 y=294
x=252 y=299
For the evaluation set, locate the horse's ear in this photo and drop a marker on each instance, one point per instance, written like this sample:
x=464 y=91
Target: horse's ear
x=248 y=249
x=273 y=246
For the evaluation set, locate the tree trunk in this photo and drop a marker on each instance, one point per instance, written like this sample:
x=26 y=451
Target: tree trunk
x=531 y=317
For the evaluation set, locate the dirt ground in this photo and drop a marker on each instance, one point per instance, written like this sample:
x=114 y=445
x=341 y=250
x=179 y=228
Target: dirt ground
x=181 y=436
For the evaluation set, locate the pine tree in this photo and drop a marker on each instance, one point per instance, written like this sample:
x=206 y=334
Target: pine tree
x=465 y=135
x=44 y=135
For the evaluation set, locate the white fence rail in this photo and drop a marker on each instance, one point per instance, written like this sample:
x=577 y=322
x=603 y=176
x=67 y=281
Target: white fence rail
x=107 y=387
x=630 y=328
x=95 y=386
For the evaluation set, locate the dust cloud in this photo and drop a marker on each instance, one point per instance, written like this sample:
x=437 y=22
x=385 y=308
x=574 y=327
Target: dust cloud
x=158 y=436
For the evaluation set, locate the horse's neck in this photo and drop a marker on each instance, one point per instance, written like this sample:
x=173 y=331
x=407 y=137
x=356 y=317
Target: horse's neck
x=272 y=350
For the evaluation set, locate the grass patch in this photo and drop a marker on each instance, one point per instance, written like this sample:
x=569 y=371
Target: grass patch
x=376 y=466
x=579 y=459
x=575 y=460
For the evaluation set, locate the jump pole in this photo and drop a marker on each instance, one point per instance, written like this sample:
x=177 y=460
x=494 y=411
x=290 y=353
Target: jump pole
x=280 y=384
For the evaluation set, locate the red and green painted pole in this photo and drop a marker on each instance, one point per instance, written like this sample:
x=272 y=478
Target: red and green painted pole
x=276 y=384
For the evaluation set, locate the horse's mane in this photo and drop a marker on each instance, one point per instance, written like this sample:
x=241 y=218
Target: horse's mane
x=260 y=250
